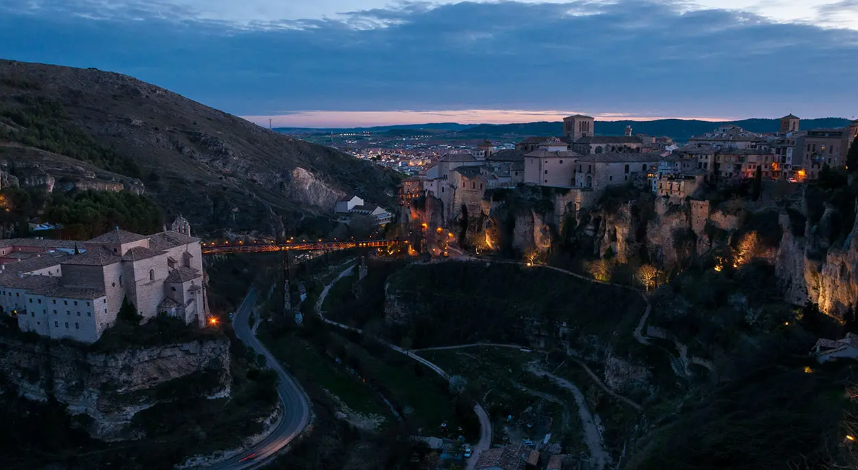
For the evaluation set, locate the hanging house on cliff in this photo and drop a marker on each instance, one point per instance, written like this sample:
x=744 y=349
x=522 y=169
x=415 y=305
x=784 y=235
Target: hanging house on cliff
x=830 y=350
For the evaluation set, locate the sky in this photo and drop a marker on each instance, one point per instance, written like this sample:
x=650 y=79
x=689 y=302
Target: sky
x=342 y=63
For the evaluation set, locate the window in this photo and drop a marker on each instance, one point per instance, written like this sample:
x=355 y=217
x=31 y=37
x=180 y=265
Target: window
x=173 y=289
x=55 y=312
x=75 y=302
x=151 y=274
x=643 y=167
x=40 y=300
x=112 y=284
x=55 y=301
x=65 y=302
x=78 y=313
x=87 y=304
x=56 y=323
x=610 y=178
x=442 y=189
x=67 y=325
x=89 y=314
x=33 y=314
x=473 y=185
x=104 y=301
x=546 y=172
x=561 y=162
x=627 y=168
x=76 y=326
x=68 y=313
x=30 y=299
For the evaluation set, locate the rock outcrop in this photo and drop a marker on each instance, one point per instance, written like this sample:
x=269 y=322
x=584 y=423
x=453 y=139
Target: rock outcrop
x=110 y=388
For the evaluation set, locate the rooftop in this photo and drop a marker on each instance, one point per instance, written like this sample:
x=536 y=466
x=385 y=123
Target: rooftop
x=506 y=156
x=42 y=261
x=170 y=239
x=457 y=157
x=542 y=153
x=117 y=237
x=99 y=256
x=468 y=171
x=139 y=252
x=619 y=157
x=609 y=139
x=183 y=274
x=38 y=242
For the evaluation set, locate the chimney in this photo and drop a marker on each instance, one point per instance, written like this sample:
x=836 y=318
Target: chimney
x=628 y=131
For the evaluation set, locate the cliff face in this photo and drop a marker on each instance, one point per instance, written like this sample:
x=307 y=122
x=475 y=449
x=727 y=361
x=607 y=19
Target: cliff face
x=110 y=388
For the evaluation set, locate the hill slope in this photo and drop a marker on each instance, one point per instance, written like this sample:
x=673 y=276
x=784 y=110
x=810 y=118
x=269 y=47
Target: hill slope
x=220 y=171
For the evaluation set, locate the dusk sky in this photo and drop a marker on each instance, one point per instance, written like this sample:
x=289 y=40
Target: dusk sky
x=369 y=62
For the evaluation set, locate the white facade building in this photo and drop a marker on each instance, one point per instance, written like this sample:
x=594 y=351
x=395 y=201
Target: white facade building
x=79 y=296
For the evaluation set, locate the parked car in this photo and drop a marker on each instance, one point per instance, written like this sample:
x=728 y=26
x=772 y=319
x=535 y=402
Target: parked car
x=467 y=451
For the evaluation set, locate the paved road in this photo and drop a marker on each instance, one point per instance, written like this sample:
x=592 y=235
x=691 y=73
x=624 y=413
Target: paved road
x=592 y=436
x=295 y=404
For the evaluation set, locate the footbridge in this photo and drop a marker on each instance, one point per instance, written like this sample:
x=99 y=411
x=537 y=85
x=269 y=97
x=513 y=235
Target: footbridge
x=225 y=247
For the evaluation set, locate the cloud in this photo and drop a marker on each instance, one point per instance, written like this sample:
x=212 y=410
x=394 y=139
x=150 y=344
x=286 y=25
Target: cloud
x=638 y=57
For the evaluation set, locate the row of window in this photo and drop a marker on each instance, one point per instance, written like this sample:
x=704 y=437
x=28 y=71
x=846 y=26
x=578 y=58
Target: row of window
x=65 y=302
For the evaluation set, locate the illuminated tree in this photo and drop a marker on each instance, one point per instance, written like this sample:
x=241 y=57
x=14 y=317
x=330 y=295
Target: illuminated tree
x=646 y=274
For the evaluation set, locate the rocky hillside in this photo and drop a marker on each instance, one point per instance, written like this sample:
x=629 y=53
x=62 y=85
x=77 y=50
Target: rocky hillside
x=220 y=171
x=107 y=389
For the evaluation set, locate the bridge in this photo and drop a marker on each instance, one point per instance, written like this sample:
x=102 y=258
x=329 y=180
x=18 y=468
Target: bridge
x=221 y=248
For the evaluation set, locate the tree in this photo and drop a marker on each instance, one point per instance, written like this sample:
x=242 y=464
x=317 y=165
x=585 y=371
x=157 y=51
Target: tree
x=128 y=313
x=757 y=189
x=852 y=156
x=457 y=384
x=362 y=226
x=646 y=275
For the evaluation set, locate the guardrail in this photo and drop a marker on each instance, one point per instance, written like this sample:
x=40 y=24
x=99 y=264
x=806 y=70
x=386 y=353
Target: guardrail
x=214 y=248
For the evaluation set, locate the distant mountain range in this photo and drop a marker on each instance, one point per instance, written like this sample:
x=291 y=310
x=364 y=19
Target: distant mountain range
x=678 y=129
x=440 y=126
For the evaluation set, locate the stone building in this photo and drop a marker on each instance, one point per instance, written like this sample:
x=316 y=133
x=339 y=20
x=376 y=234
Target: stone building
x=467 y=185
x=608 y=144
x=789 y=123
x=78 y=296
x=599 y=171
x=729 y=136
x=578 y=126
x=680 y=186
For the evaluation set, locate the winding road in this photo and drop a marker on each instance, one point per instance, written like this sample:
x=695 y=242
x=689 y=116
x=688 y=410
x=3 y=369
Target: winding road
x=485 y=441
x=295 y=405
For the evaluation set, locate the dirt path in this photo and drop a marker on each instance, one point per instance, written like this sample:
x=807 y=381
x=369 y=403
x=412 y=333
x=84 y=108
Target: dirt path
x=592 y=437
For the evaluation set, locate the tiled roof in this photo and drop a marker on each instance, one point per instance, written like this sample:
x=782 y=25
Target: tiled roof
x=511 y=457
x=468 y=171
x=49 y=286
x=609 y=139
x=547 y=154
x=42 y=261
x=183 y=274
x=98 y=256
x=619 y=157
x=139 y=252
x=38 y=242
x=170 y=239
x=117 y=237
x=168 y=303
x=458 y=157
x=578 y=116
x=506 y=156
x=790 y=116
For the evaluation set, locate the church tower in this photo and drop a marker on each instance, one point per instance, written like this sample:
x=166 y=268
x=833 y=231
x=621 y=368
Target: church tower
x=181 y=225
x=577 y=126
x=789 y=123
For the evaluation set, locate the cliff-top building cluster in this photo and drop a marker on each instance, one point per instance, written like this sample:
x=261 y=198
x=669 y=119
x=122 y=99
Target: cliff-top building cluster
x=61 y=289
x=586 y=163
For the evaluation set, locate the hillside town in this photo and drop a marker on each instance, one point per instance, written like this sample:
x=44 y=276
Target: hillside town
x=586 y=163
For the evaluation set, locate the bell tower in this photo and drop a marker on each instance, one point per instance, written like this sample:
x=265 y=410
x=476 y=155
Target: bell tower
x=577 y=126
x=789 y=123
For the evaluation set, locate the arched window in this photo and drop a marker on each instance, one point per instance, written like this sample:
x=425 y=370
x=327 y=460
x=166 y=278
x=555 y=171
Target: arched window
x=589 y=181
x=151 y=274
x=599 y=149
x=643 y=167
